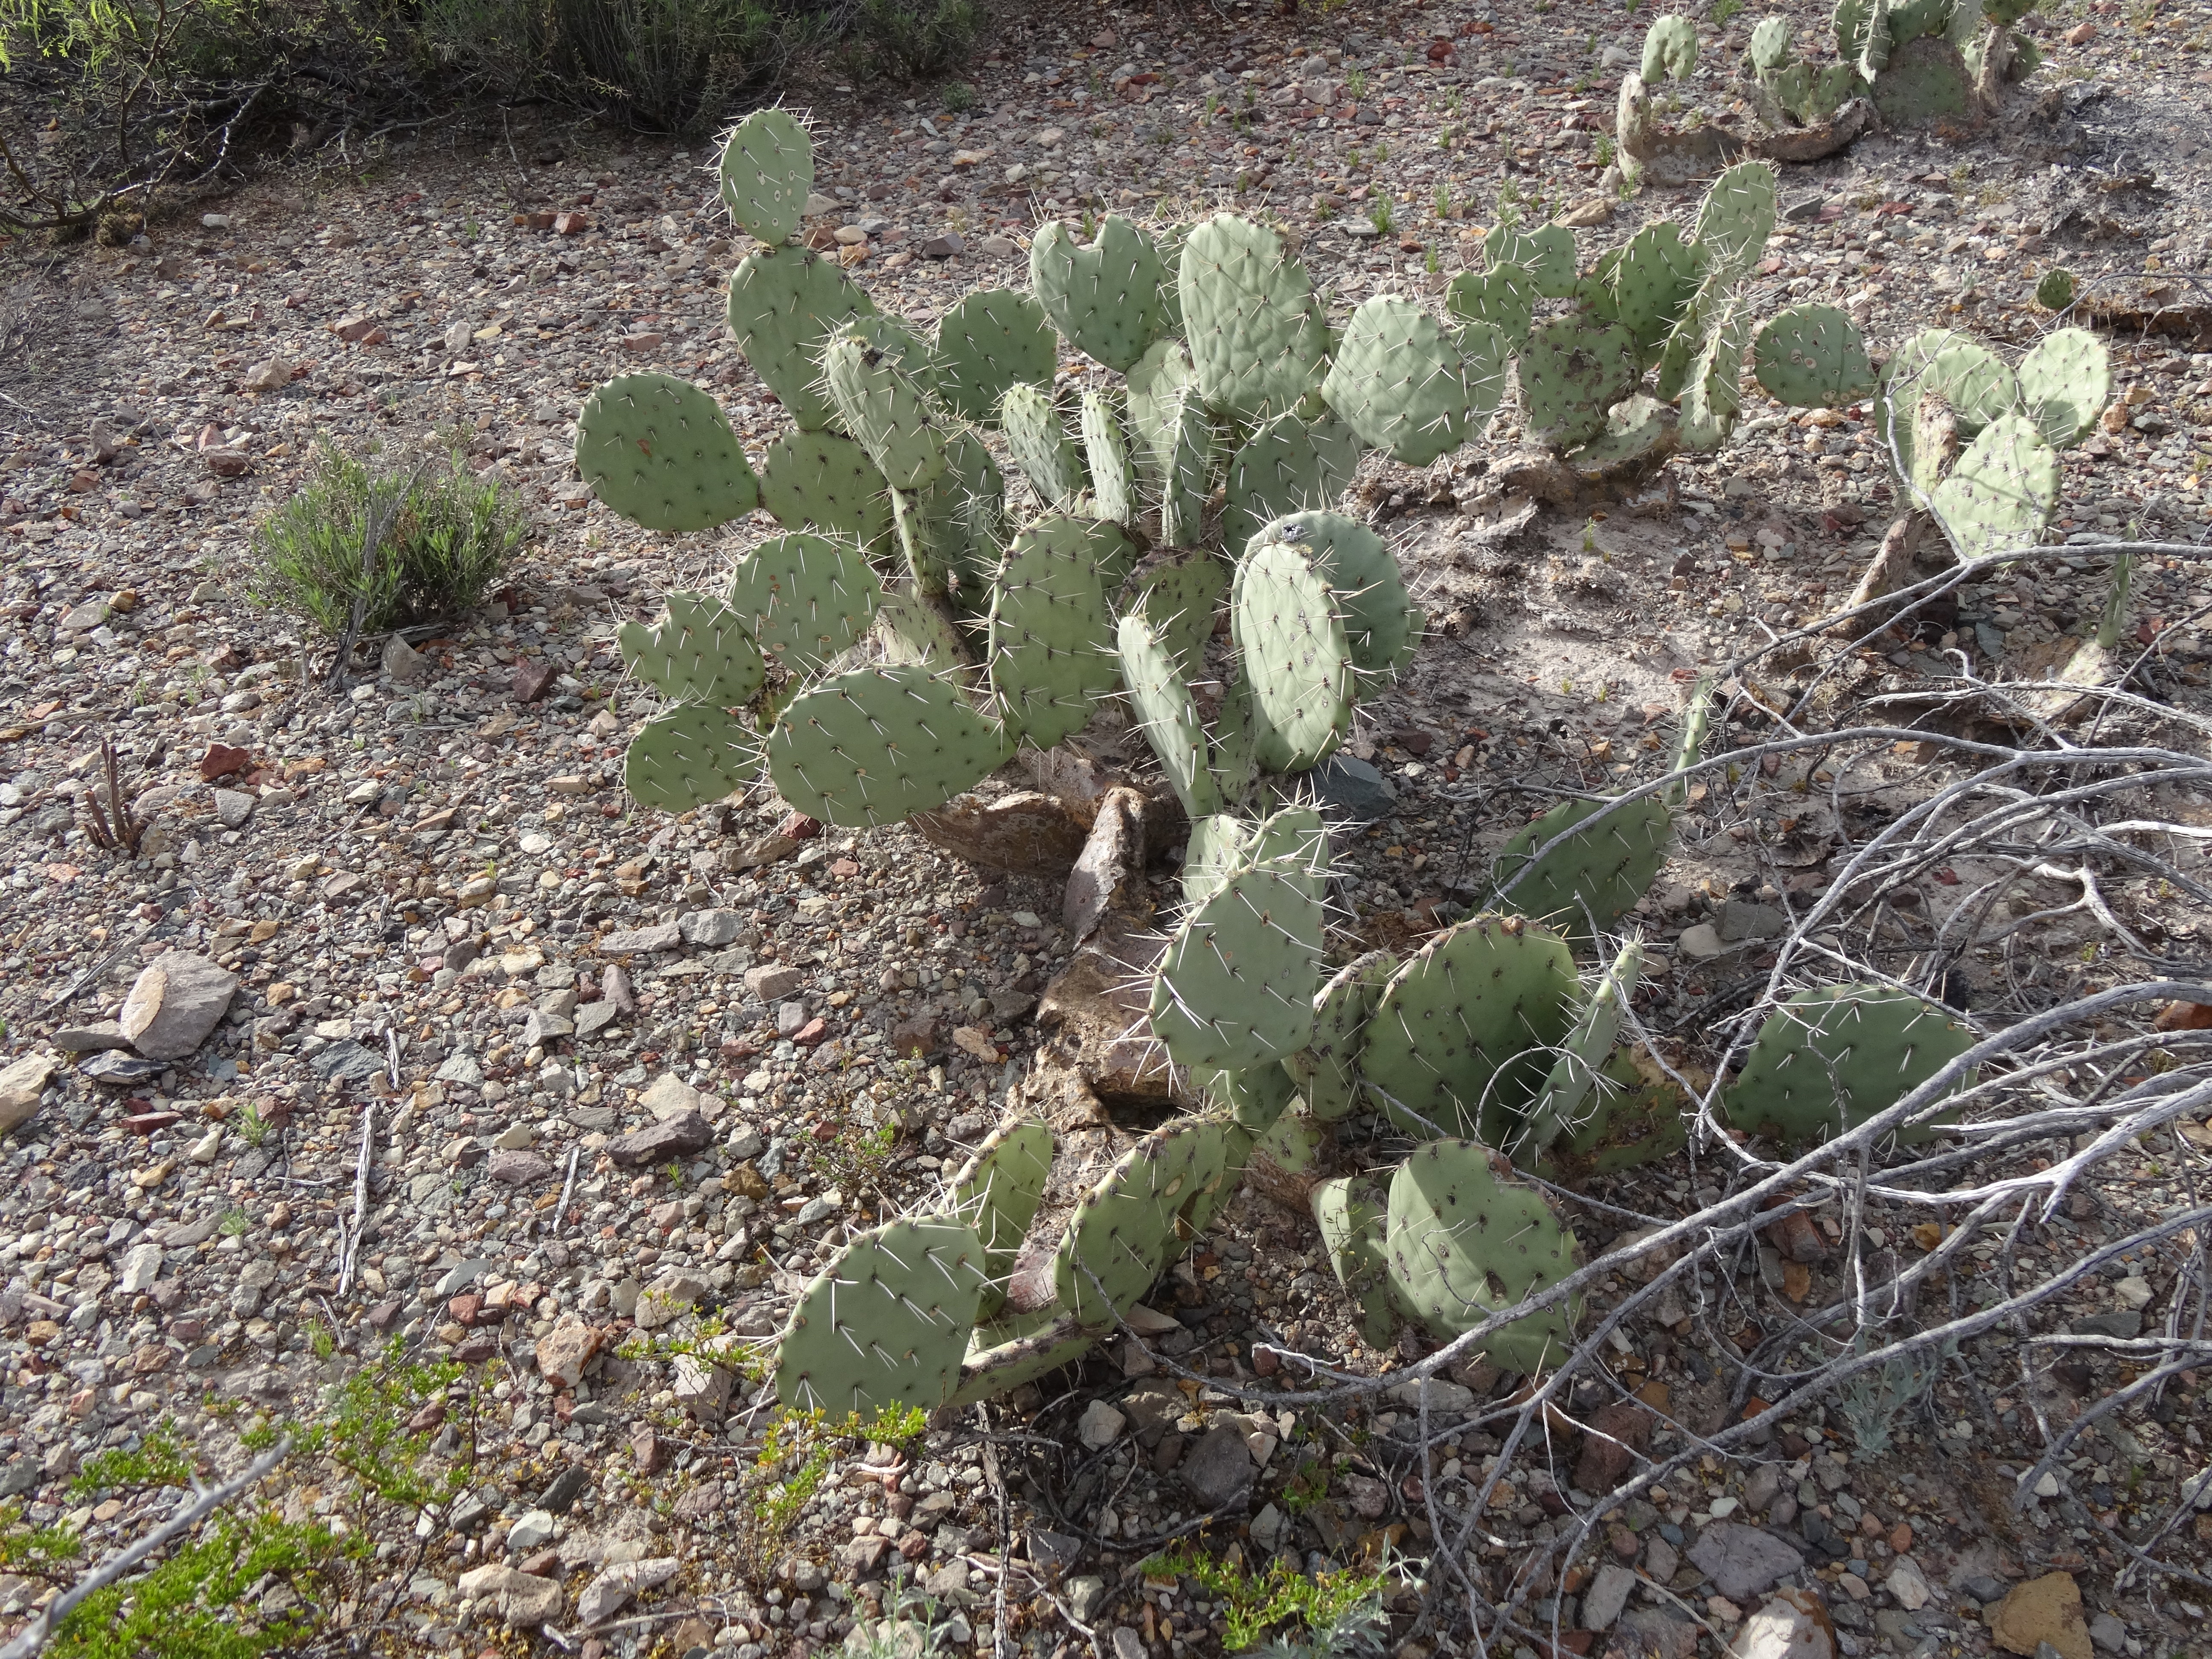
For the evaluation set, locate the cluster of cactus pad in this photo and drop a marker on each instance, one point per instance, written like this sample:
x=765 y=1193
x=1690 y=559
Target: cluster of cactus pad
x=977 y=550
x=1919 y=61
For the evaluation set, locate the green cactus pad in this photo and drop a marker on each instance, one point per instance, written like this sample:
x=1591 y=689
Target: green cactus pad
x=1041 y=448
x=997 y=1194
x=1381 y=624
x=1129 y=1226
x=700 y=652
x=1326 y=1070
x=1236 y=732
x=1559 y=1108
x=1634 y=431
x=1398 y=380
x=1712 y=395
x=1547 y=254
x=1050 y=653
x=1828 y=1060
x=1166 y=711
x=660 y=451
x=1812 y=356
x=1180 y=593
x=1636 y=1115
x=1010 y=1351
x=2054 y=288
x=804 y=598
x=1103 y=299
x=1570 y=374
x=1190 y=462
x=1276 y=471
x=1288 y=631
x=1462 y=1035
x=784 y=302
x=1256 y=1100
x=1769 y=46
x=1235 y=989
x=1353 y=1214
x=825 y=480
x=1849 y=24
x=1925 y=81
x=886 y=1325
x=2001 y=491
x=1286 y=1155
x=1652 y=281
x=873 y=745
x=951 y=529
x=2065 y=384
x=1257 y=337
x=985 y=342
x=1152 y=387
x=1503 y=297
x=885 y=407
x=690 y=756
x=768 y=172
x=910 y=628
x=1106 y=455
x=1736 y=219
x=1464 y=1241
x=1670 y=48
x=1600 y=875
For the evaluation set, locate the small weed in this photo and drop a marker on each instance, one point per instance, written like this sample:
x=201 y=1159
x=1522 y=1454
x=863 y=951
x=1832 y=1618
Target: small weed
x=1724 y=9
x=235 y=1224
x=1430 y=263
x=1355 y=84
x=674 y=1171
x=958 y=98
x=253 y=1127
x=1381 y=152
x=1445 y=203
x=1379 y=216
x=1333 y=1606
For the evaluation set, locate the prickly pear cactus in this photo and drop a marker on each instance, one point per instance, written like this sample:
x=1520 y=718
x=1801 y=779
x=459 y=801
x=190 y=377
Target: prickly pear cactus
x=1381 y=624
x=872 y=745
x=1128 y=1227
x=1049 y=643
x=767 y=174
x=997 y=1194
x=1038 y=437
x=1400 y=382
x=1257 y=337
x=1812 y=356
x=803 y=598
x=1103 y=299
x=1594 y=878
x=885 y=1326
x=700 y=652
x=690 y=756
x=660 y=451
x=1326 y=1070
x=1235 y=990
x=1670 y=49
x=985 y=342
x=2065 y=383
x=1570 y=374
x=2000 y=494
x=1166 y=712
x=1559 y=1108
x=826 y=480
x=1828 y=1060
x=1285 y=619
x=784 y=302
x=1353 y=1215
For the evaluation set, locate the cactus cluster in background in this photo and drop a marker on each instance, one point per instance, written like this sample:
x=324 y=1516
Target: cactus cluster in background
x=978 y=552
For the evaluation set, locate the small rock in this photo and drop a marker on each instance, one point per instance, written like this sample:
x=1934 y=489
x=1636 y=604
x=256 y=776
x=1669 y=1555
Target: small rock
x=701 y=1387
x=949 y=246
x=90 y=1039
x=671 y=1293
x=710 y=929
x=536 y=1528
x=270 y=375
x=670 y=1096
x=618 y=1586
x=1700 y=942
x=772 y=982
x=2109 y=1632
x=1085 y=1595
x=1794 y=1624
x=1353 y=789
x=1742 y=1561
x=1000 y=248
x=1127 y=1644
x=518 y=1168
x=403 y=664
x=1607 y=1595
x=1596 y=211
x=568 y=1486
x=1100 y=1425
x=533 y=678
x=232 y=807
x=565 y=1350
x=1739 y=920
x=1906 y=1585
x=675 y=1137
x=1760 y=1490
x=20 y=1085
x=1218 y=1468
x=2081 y=34
x=175 y=1002
x=2045 y=1609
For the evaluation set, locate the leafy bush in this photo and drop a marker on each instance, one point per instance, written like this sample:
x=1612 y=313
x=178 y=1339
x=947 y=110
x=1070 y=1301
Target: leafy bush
x=920 y=37
x=363 y=550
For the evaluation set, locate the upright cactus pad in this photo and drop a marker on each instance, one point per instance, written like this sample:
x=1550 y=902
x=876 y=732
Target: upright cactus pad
x=1012 y=1350
x=1969 y=377
x=1106 y=451
x=1636 y=1114
x=873 y=745
x=953 y=529
x=1466 y=1241
x=883 y=405
x=1770 y=45
x=1827 y=1061
x=1670 y=49
x=1353 y=1215
x=1276 y=471
x=1180 y=593
x=1257 y=337
x=1215 y=850
x=1812 y=356
x=997 y=1194
x=1570 y=374
x=1652 y=281
x=2065 y=384
x=1597 y=876
x=885 y=1326
x=1288 y=630
x=1398 y=381
x=784 y=302
x=1050 y=643
x=911 y=629
x=1925 y=80
x=2000 y=492
x=1128 y=1227
x=1152 y=387
x=1041 y=449
x=1255 y=1099
x=1103 y=299
x=1736 y=219
x=1235 y=989
x=825 y=480
x=1326 y=1070
x=1182 y=485
x=1166 y=712
x=700 y=652
x=1712 y=395
x=1462 y=1034
x=1504 y=298
x=1382 y=625
x=985 y=342
x=660 y=451
x=1236 y=734
x=1559 y=1108
x=1547 y=254
x=804 y=598
x=768 y=172
x=690 y=756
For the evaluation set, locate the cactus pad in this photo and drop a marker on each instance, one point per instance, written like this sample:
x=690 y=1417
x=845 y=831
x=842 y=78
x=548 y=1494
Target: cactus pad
x=1179 y=592
x=1812 y=356
x=1670 y=49
x=885 y=406
x=1235 y=989
x=997 y=1194
x=1461 y=1037
x=1712 y=395
x=1326 y=1070
x=1398 y=381
x=1504 y=297
x=1381 y=624
x=1257 y=337
x=1297 y=658
x=1559 y=1107
x=1736 y=219
x=1189 y=465
x=1010 y=1351
x=768 y=172
x=688 y=757
x=2054 y=288
x=1353 y=1214
x=1464 y=1241
x=700 y=652
x=1547 y=254
x=1049 y=642
x=1652 y=282
x=1128 y=1227
x=1598 y=876
x=826 y=480
x=1166 y=711
x=885 y=1326
x=804 y=598
x=1039 y=441
x=951 y=529
x=2065 y=383
x=1106 y=453
x=660 y=451
x=872 y=746
x=1770 y=45
x=1276 y=471
x=1570 y=374
x=1152 y=387
x=1256 y=1099
x=1103 y=299
x=784 y=302
x=2001 y=491
x=985 y=342
x=1827 y=1061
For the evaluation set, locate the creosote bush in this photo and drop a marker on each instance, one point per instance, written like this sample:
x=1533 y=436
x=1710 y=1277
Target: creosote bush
x=442 y=537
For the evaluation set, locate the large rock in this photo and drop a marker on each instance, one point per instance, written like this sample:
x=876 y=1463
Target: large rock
x=2045 y=1609
x=177 y=1000
x=565 y=1350
x=20 y=1085
x=1743 y=1561
x=615 y=1588
x=1218 y=1469
x=1617 y=1436
x=1793 y=1626
x=1027 y=833
x=669 y=1095
x=680 y=1136
x=1607 y=1597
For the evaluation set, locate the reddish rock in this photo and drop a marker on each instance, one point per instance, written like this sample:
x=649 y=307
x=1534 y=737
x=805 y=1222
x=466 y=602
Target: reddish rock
x=463 y=1309
x=915 y=1038
x=571 y=224
x=477 y=1349
x=648 y=1451
x=533 y=678
x=221 y=760
x=799 y=827
x=1616 y=1434
x=145 y=1123
x=812 y=1032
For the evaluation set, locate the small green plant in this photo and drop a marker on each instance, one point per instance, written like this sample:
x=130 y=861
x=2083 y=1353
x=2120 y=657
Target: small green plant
x=235 y=1224
x=1430 y=262
x=959 y=97
x=1724 y=9
x=361 y=550
x=673 y=1169
x=252 y=1129
x=1382 y=151
x=1444 y=202
x=1355 y=84
x=1330 y=1605
x=1379 y=216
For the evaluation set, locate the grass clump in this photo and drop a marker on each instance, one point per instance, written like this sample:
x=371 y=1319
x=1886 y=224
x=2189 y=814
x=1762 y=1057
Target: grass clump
x=366 y=550
x=1341 y=1613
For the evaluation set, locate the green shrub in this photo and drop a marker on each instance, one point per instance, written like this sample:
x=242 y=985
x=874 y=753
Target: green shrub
x=918 y=38
x=442 y=538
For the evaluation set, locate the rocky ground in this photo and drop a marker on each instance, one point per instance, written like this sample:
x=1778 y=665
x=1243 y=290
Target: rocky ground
x=617 y=1071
